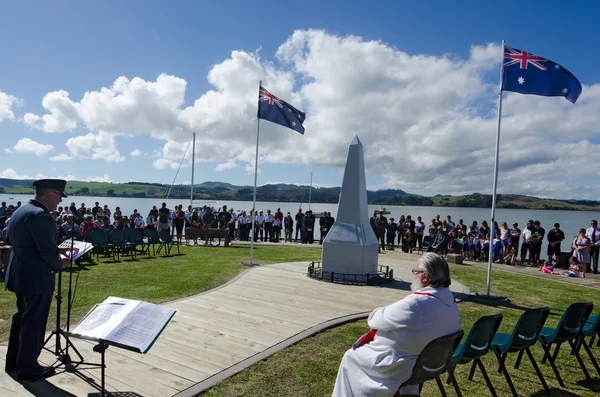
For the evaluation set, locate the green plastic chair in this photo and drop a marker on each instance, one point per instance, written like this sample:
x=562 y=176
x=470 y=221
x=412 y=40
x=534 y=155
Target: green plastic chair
x=524 y=335
x=433 y=361
x=153 y=240
x=117 y=237
x=590 y=328
x=99 y=239
x=134 y=237
x=569 y=329
x=476 y=345
x=167 y=242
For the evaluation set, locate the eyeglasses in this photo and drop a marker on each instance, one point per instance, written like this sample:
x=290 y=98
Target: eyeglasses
x=416 y=271
x=56 y=192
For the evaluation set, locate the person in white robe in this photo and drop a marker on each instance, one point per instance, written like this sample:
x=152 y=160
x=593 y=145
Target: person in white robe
x=399 y=332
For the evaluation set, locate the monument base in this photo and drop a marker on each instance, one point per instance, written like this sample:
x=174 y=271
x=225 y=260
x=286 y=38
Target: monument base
x=384 y=274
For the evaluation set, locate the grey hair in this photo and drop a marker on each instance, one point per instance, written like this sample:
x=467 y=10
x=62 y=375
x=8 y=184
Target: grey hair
x=436 y=268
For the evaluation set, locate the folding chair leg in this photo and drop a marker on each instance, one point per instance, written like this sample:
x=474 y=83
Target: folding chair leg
x=556 y=349
x=472 y=371
x=537 y=369
x=590 y=355
x=553 y=365
x=578 y=357
x=502 y=368
x=501 y=361
x=441 y=386
x=452 y=379
x=519 y=357
x=485 y=376
x=592 y=341
x=546 y=353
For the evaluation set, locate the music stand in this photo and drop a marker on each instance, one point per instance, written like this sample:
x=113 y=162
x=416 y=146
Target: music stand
x=63 y=358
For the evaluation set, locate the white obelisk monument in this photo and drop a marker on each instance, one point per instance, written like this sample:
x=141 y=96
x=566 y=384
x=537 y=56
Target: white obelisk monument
x=351 y=246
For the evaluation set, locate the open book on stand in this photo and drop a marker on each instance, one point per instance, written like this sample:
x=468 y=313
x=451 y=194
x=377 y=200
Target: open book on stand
x=129 y=324
x=79 y=247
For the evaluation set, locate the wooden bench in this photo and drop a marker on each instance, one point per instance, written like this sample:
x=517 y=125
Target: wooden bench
x=204 y=234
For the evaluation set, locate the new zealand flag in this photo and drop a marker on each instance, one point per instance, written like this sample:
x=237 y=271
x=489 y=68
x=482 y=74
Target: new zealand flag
x=527 y=73
x=279 y=112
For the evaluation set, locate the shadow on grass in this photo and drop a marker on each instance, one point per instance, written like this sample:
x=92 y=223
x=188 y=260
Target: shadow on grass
x=553 y=391
x=592 y=384
x=495 y=303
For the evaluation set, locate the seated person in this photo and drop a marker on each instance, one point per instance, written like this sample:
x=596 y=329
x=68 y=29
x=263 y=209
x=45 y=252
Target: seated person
x=440 y=243
x=511 y=258
x=574 y=268
x=384 y=357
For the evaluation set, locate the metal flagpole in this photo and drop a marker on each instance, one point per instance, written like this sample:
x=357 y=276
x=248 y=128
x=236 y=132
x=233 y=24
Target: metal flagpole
x=193 y=158
x=492 y=234
x=255 y=178
x=310 y=191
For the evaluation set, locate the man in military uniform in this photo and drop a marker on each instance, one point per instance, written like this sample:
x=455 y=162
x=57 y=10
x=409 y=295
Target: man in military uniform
x=30 y=275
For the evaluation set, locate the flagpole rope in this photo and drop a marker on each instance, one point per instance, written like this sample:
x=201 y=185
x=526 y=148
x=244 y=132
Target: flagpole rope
x=255 y=179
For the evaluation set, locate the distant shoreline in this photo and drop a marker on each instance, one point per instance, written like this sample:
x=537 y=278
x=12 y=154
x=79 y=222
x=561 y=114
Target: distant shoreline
x=288 y=193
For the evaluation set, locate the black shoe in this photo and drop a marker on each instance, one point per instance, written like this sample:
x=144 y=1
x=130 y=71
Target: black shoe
x=44 y=372
x=595 y=272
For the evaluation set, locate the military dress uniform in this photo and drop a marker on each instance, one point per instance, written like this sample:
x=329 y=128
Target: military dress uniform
x=31 y=276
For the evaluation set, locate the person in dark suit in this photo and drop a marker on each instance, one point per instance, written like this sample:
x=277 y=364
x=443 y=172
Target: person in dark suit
x=30 y=275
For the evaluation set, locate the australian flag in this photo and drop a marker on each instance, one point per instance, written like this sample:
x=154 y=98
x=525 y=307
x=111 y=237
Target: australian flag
x=279 y=112
x=527 y=73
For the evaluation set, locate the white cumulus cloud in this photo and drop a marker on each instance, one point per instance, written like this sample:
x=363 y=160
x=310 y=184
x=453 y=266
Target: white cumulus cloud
x=427 y=122
x=136 y=153
x=27 y=145
x=229 y=165
x=6 y=104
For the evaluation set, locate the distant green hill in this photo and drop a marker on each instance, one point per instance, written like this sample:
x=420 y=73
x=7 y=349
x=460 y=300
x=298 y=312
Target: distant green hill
x=213 y=191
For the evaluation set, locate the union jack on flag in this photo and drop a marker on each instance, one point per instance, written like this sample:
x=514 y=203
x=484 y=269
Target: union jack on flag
x=279 y=111
x=526 y=73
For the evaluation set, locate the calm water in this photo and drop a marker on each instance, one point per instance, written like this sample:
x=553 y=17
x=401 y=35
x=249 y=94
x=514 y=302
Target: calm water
x=570 y=221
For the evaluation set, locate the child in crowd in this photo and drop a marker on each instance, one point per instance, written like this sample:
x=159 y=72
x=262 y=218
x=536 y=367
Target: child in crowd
x=466 y=248
x=497 y=248
x=546 y=267
x=511 y=258
x=476 y=246
x=574 y=268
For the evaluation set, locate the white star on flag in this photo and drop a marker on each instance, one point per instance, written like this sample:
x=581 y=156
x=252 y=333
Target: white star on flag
x=521 y=80
x=293 y=123
x=299 y=116
x=565 y=90
x=290 y=110
x=557 y=66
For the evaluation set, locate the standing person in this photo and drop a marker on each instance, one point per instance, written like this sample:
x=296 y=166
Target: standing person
x=391 y=234
x=258 y=227
x=526 y=245
x=179 y=223
x=555 y=236
x=231 y=224
x=327 y=224
x=380 y=361
x=30 y=275
x=309 y=223
x=276 y=229
x=380 y=228
x=419 y=229
x=581 y=245
x=593 y=233
x=537 y=236
x=288 y=223
x=278 y=215
x=299 y=222
x=269 y=226
x=163 y=218
x=515 y=236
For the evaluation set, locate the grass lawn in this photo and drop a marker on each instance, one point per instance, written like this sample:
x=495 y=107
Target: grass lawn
x=309 y=368
x=157 y=279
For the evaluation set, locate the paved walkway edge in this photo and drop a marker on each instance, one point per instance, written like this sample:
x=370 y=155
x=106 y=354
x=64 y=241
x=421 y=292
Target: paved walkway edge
x=242 y=365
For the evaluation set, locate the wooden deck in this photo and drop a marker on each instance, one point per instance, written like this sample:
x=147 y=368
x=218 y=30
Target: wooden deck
x=216 y=331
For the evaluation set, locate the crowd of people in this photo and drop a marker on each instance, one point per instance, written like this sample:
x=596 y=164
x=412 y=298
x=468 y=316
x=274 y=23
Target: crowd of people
x=510 y=245
x=267 y=227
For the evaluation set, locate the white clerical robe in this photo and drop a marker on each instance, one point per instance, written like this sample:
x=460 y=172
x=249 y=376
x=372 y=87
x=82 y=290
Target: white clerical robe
x=404 y=328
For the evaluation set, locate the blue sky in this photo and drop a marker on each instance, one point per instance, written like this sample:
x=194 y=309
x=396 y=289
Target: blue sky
x=82 y=47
